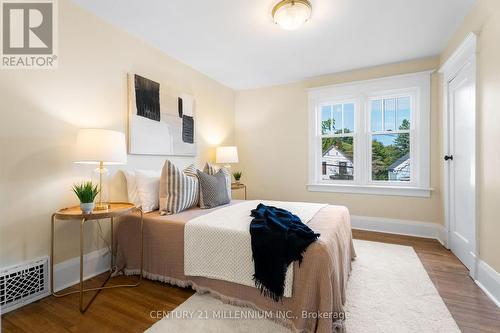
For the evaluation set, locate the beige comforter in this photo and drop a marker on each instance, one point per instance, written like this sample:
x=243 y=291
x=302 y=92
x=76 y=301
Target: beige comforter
x=319 y=283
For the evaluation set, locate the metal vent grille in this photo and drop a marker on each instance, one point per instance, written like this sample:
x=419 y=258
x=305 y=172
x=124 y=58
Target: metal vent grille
x=23 y=284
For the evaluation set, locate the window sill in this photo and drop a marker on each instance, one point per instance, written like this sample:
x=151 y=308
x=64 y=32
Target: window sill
x=372 y=189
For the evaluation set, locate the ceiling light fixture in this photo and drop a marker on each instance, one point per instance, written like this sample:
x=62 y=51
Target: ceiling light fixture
x=291 y=14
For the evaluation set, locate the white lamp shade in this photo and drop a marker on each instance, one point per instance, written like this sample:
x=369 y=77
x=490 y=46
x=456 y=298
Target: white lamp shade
x=226 y=155
x=99 y=145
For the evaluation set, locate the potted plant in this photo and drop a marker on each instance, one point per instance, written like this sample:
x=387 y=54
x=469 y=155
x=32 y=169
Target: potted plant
x=237 y=176
x=86 y=192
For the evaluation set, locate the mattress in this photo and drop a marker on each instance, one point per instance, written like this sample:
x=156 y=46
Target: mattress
x=319 y=282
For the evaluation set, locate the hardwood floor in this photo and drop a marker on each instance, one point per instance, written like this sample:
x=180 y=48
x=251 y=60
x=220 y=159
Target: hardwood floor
x=129 y=309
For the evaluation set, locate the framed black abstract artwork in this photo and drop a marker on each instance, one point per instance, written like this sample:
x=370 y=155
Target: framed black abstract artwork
x=161 y=120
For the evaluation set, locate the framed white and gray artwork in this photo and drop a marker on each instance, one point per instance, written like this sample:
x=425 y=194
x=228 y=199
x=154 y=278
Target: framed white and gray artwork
x=161 y=120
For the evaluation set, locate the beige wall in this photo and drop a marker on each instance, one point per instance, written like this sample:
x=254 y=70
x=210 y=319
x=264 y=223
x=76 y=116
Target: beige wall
x=42 y=110
x=272 y=136
x=484 y=20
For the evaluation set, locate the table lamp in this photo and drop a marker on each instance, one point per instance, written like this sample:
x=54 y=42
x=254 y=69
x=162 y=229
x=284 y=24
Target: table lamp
x=226 y=155
x=102 y=147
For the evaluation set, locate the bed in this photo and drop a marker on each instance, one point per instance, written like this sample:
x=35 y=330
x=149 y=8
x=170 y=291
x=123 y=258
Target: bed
x=319 y=282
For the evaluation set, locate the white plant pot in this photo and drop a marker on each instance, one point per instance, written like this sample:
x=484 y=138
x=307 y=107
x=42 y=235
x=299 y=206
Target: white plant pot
x=87 y=208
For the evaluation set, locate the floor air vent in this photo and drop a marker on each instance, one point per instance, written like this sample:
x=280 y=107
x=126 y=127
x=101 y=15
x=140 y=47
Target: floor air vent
x=22 y=284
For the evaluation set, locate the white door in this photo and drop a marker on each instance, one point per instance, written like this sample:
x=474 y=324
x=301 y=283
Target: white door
x=460 y=162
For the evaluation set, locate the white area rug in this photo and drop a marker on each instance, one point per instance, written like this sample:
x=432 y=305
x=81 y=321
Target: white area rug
x=389 y=291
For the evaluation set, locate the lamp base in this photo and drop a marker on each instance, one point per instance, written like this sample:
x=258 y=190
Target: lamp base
x=101 y=206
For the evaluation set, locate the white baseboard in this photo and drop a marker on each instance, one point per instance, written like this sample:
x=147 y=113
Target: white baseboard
x=67 y=273
x=399 y=227
x=489 y=281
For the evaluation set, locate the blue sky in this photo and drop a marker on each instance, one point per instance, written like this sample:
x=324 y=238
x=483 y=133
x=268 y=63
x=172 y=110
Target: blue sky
x=385 y=139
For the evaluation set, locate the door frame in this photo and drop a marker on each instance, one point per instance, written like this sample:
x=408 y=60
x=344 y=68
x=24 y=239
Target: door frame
x=464 y=55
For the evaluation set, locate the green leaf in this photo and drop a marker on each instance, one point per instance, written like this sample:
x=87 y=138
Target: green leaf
x=86 y=191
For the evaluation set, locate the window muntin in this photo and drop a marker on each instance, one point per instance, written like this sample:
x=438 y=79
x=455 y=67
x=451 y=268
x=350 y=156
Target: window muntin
x=337 y=141
x=390 y=124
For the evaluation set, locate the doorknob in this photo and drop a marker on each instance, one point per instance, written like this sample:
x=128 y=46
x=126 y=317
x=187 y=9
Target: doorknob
x=448 y=157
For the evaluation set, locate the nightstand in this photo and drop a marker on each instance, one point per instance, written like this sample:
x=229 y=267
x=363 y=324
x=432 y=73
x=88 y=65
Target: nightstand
x=239 y=186
x=116 y=209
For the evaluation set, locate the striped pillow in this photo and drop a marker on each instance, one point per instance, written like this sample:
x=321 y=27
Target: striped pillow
x=212 y=170
x=179 y=190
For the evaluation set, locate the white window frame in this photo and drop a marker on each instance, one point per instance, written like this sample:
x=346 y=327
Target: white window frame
x=353 y=135
x=360 y=93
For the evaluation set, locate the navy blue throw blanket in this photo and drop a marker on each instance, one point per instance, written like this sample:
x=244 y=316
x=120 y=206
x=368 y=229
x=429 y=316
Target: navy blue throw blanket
x=278 y=239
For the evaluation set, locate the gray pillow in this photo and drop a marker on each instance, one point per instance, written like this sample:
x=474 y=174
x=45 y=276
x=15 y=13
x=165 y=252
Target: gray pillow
x=212 y=170
x=213 y=189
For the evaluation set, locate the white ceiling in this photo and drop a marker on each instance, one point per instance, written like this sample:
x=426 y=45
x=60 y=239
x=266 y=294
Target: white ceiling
x=236 y=43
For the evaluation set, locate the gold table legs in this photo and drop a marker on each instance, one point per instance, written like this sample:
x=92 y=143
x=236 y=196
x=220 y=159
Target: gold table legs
x=81 y=289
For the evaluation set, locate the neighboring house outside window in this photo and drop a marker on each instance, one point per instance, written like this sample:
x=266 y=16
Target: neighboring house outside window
x=337 y=166
x=371 y=136
x=400 y=170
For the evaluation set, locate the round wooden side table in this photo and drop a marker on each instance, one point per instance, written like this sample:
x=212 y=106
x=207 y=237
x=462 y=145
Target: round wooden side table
x=116 y=209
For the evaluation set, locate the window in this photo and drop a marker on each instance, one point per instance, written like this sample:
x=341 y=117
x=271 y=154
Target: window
x=371 y=136
x=337 y=141
x=390 y=120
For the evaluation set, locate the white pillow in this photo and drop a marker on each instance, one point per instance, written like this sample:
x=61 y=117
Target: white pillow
x=148 y=189
x=132 y=194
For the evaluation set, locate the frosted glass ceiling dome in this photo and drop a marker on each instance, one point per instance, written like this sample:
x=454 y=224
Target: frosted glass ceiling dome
x=292 y=14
